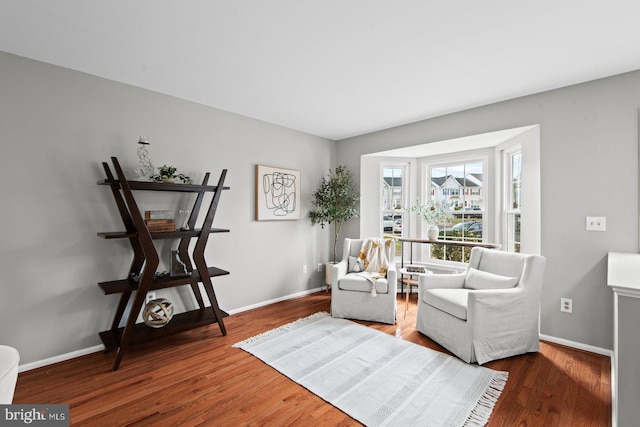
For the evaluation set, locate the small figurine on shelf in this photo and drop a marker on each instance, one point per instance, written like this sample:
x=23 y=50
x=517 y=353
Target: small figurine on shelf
x=178 y=268
x=145 y=169
x=184 y=219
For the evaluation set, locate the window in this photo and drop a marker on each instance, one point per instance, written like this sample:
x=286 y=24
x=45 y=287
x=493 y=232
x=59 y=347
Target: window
x=517 y=226
x=513 y=199
x=393 y=199
x=394 y=196
x=459 y=185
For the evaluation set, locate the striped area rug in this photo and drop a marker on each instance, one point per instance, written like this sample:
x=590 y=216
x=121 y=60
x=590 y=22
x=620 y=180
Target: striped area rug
x=378 y=379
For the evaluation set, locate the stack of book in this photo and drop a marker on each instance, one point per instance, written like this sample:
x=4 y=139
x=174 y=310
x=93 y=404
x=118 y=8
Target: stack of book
x=412 y=268
x=159 y=221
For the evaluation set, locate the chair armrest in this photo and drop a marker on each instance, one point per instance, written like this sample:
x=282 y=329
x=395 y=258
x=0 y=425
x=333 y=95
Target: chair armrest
x=440 y=281
x=338 y=271
x=392 y=278
x=502 y=309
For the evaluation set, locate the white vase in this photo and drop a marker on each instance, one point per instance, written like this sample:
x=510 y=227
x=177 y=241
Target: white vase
x=432 y=232
x=327 y=274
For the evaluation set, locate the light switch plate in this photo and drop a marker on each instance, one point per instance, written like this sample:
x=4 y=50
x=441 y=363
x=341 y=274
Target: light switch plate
x=596 y=223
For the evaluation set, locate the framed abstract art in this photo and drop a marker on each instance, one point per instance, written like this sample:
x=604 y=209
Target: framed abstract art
x=277 y=194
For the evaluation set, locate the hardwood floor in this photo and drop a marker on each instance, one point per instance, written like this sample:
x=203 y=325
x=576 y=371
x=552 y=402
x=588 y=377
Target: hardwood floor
x=197 y=379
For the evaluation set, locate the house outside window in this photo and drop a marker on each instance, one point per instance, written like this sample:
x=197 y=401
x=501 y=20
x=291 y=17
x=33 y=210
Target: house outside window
x=459 y=185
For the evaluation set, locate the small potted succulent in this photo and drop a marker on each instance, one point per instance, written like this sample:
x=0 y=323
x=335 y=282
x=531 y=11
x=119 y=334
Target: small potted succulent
x=168 y=174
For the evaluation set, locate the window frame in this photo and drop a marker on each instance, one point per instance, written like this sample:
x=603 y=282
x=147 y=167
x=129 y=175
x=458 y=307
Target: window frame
x=405 y=166
x=484 y=156
x=508 y=212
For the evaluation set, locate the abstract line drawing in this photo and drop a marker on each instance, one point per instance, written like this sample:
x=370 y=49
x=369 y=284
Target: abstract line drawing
x=280 y=193
x=277 y=193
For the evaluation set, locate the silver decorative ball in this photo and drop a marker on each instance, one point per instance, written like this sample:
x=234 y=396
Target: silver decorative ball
x=157 y=313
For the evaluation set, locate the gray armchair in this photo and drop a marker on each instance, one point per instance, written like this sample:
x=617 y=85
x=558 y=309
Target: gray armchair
x=489 y=312
x=351 y=295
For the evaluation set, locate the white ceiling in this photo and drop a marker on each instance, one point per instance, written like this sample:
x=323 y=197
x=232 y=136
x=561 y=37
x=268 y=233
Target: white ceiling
x=334 y=68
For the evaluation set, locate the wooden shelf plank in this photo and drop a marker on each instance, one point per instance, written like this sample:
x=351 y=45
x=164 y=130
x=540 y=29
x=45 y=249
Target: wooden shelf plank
x=117 y=235
x=125 y=285
x=178 y=234
x=161 y=186
x=179 y=323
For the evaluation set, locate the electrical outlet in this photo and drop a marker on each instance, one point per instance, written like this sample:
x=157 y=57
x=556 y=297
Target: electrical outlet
x=596 y=223
x=150 y=296
x=304 y=269
x=319 y=266
x=566 y=305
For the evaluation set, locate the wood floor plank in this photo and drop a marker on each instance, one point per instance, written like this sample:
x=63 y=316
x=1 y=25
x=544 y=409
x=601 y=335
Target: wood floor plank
x=198 y=379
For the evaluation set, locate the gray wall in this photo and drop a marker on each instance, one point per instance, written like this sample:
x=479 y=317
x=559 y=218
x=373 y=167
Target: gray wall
x=589 y=167
x=57 y=126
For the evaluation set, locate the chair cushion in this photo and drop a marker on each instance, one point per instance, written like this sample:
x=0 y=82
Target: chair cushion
x=452 y=301
x=355 y=265
x=355 y=282
x=508 y=264
x=478 y=279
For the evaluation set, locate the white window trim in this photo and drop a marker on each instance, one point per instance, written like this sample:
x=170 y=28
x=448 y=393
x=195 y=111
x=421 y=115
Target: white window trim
x=506 y=153
x=529 y=136
x=484 y=155
x=406 y=186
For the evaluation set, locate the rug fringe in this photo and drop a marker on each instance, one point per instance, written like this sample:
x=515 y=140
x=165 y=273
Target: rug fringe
x=480 y=414
x=288 y=326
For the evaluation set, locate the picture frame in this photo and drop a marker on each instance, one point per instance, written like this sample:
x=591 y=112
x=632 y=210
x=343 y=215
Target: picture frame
x=277 y=193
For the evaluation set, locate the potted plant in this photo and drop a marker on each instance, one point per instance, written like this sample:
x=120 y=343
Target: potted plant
x=335 y=202
x=168 y=174
x=434 y=215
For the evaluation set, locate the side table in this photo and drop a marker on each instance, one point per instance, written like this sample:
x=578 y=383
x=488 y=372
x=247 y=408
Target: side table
x=410 y=282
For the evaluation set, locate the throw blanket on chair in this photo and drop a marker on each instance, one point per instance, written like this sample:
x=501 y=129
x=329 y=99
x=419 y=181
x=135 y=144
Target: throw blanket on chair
x=375 y=254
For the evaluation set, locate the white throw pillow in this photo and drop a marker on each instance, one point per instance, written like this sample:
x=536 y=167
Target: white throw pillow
x=478 y=279
x=355 y=265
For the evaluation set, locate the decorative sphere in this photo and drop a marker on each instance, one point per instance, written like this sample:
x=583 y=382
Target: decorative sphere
x=157 y=313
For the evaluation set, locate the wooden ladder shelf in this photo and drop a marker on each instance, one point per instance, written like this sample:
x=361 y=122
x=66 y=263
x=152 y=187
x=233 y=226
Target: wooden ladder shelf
x=146 y=260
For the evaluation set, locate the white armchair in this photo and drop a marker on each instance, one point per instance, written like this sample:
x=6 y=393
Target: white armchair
x=351 y=295
x=489 y=312
x=9 y=359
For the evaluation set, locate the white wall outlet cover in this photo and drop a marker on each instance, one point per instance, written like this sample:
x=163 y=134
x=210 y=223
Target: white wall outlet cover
x=150 y=296
x=596 y=223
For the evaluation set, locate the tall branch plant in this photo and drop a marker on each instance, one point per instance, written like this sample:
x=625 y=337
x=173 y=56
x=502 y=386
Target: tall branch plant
x=335 y=202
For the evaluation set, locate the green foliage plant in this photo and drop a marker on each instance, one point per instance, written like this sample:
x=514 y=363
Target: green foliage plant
x=168 y=172
x=433 y=213
x=335 y=202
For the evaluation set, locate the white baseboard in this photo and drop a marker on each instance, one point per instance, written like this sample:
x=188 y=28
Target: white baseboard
x=97 y=348
x=60 y=358
x=578 y=345
x=273 y=301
